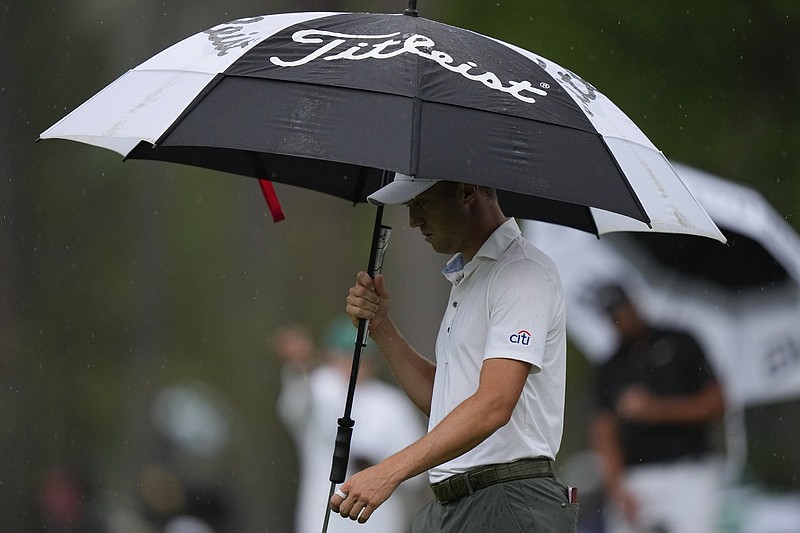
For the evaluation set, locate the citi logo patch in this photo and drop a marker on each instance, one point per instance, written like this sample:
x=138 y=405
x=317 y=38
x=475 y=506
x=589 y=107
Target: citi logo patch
x=522 y=337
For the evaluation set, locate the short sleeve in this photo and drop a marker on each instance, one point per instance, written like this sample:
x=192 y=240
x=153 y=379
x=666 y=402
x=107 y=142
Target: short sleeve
x=523 y=299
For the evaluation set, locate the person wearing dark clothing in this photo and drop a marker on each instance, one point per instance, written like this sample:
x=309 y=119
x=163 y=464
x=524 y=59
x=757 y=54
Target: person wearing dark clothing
x=657 y=399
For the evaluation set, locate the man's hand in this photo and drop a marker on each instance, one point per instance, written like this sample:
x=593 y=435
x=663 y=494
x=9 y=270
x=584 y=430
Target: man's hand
x=368 y=299
x=365 y=492
x=636 y=404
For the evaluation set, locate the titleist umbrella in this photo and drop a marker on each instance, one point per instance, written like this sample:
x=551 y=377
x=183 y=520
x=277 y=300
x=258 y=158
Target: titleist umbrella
x=337 y=102
x=328 y=101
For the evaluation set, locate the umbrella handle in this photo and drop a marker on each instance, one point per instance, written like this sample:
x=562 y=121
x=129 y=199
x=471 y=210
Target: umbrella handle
x=344 y=433
x=376 y=264
x=341 y=451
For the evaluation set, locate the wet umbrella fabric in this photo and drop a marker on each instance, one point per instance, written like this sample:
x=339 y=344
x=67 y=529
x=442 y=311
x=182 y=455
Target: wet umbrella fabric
x=327 y=101
x=742 y=301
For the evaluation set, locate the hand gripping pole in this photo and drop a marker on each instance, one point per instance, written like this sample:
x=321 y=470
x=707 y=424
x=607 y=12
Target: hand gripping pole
x=344 y=433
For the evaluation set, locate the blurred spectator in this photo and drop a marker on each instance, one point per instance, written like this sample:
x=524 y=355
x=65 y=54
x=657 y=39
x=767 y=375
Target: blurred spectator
x=311 y=400
x=657 y=400
x=174 y=505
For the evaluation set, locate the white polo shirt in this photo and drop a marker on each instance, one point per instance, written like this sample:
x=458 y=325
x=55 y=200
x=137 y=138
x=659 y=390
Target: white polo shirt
x=507 y=302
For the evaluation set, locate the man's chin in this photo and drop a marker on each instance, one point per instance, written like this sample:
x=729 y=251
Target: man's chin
x=440 y=249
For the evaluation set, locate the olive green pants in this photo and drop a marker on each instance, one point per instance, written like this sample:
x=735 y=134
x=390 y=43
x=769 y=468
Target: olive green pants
x=535 y=505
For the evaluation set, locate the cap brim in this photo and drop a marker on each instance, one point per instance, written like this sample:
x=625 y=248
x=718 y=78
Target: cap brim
x=403 y=189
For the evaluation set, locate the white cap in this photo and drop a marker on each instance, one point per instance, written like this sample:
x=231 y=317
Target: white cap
x=401 y=190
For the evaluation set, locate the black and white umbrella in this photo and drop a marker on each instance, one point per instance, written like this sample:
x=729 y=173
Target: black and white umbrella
x=742 y=301
x=328 y=101
x=337 y=102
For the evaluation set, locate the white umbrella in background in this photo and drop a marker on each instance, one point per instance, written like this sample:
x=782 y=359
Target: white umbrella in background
x=741 y=301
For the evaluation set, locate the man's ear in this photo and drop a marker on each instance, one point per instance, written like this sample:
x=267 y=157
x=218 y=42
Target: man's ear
x=469 y=192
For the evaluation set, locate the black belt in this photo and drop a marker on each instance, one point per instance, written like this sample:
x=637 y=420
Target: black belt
x=460 y=485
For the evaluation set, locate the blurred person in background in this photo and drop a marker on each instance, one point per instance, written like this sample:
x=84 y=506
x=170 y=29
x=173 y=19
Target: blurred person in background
x=657 y=401
x=313 y=391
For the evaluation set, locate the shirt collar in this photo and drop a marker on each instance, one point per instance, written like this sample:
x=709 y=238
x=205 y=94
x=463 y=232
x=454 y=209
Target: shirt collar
x=498 y=242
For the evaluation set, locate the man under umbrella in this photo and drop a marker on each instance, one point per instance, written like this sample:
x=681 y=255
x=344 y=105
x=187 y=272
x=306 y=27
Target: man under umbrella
x=657 y=398
x=495 y=395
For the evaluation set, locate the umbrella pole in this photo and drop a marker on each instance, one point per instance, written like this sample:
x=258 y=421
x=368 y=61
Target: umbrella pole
x=344 y=433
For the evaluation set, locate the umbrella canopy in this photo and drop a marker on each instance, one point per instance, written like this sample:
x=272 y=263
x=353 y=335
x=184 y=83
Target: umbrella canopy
x=742 y=301
x=328 y=101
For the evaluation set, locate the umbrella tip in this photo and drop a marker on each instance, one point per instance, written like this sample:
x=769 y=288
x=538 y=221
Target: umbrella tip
x=411 y=11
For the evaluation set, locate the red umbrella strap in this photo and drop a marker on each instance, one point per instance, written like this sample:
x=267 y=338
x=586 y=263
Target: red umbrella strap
x=272 y=200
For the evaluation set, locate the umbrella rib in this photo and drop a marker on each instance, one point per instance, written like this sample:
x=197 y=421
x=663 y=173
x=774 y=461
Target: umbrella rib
x=416 y=136
x=647 y=220
x=592 y=222
x=194 y=103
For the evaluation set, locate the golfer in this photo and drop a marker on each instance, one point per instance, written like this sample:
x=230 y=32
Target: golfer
x=495 y=395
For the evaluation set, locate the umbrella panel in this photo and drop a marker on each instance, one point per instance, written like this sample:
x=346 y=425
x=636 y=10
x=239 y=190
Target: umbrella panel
x=413 y=57
x=296 y=119
x=743 y=264
x=526 y=156
x=356 y=130
x=552 y=211
x=342 y=180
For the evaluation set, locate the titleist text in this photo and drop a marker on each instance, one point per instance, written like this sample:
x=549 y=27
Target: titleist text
x=341 y=46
